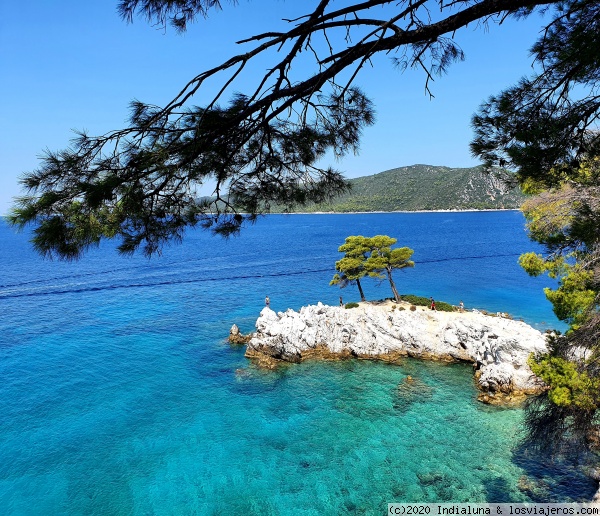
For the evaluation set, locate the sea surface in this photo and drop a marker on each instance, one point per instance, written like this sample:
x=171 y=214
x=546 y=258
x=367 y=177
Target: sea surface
x=119 y=393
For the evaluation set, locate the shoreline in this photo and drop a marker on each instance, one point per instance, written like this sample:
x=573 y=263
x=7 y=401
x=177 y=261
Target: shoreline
x=496 y=346
x=394 y=211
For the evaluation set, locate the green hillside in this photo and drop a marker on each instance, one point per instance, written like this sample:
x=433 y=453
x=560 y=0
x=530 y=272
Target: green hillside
x=425 y=187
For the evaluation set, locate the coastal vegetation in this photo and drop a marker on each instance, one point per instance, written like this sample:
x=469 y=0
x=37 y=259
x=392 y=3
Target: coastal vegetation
x=351 y=268
x=546 y=129
x=441 y=306
x=383 y=260
x=424 y=187
x=373 y=257
x=565 y=219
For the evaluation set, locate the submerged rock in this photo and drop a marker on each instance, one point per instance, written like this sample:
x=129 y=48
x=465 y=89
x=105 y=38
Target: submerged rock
x=411 y=390
x=534 y=488
x=498 y=347
x=431 y=478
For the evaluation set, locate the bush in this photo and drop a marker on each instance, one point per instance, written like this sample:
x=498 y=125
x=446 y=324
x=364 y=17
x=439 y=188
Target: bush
x=401 y=308
x=443 y=307
x=424 y=301
x=415 y=300
x=351 y=305
x=413 y=308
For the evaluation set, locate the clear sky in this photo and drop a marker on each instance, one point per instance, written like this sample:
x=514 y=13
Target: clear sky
x=70 y=65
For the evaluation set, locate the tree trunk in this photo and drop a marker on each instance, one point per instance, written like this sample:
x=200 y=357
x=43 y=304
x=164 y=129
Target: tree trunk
x=393 y=285
x=362 y=294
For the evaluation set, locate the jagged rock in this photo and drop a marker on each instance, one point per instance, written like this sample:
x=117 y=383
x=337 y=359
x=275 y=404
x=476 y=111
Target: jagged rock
x=236 y=337
x=498 y=347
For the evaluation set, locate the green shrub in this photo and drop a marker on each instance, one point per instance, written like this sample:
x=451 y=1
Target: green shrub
x=351 y=305
x=415 y=300
x=443 y=307
x=424 y=301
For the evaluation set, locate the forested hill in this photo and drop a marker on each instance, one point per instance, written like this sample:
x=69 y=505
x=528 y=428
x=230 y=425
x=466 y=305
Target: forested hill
x=425 y=187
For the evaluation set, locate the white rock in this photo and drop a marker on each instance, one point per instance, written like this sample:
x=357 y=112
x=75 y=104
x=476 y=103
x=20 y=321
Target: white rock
x=500 y=347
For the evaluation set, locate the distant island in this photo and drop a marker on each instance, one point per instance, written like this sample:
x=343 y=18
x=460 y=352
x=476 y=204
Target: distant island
x=424 y=188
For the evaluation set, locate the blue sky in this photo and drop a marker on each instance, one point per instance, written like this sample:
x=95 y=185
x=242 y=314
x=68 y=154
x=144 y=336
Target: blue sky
x=76 y=65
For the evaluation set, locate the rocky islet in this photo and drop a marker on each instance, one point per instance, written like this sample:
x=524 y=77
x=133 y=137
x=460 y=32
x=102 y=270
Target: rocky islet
x=498 y=347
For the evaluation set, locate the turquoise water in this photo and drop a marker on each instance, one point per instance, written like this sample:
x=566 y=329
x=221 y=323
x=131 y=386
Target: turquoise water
x=120 y=395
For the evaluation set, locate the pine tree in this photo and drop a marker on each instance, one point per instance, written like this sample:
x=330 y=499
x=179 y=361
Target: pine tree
x=544 y=126
x=384 y=259
x=373 y=257
x=565 y=219
x=351 y=268
x=545 y=129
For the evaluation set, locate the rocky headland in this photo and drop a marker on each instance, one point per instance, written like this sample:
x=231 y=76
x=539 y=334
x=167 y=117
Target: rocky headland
x=497 y=347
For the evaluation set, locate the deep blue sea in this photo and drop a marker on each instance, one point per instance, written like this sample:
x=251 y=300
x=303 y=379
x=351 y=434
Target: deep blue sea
x=119 y=394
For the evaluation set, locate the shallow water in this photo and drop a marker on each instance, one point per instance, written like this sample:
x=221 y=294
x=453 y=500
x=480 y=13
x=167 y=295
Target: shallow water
x=120 y=395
